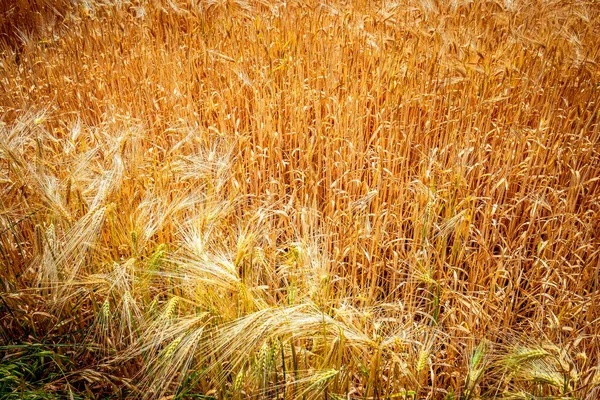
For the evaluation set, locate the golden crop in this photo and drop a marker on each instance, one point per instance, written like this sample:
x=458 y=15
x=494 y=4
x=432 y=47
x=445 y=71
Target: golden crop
x=300 y=199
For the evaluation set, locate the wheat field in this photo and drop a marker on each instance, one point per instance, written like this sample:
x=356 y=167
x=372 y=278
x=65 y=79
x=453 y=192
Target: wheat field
x=231 y=199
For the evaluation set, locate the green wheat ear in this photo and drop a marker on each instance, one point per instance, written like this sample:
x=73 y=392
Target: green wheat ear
x=170 y=349
x=523 y=355
x=478 y=355
x=106 y=309
x=157 y=256
x=169 y=310
x=475 y=369
x=422 y=360
x=238 y=382
x=319 y=380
